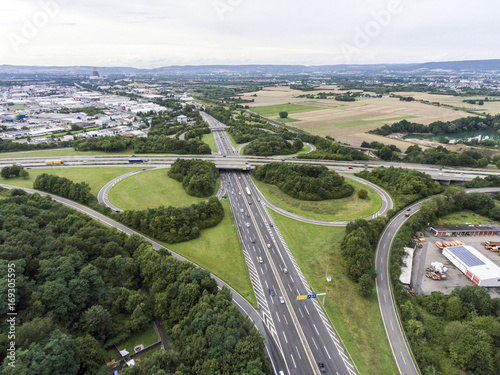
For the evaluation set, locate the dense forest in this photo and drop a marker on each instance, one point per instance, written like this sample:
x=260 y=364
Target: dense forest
x=461 y=330
x=443 y=127
x=172 y=224
x=306 y=182
x=480 y=182
x=80 y=289
x=78 y=192
x=198 y=177
x=161 y=144
x=441 y=156
x=405 y=185
x=273 y=145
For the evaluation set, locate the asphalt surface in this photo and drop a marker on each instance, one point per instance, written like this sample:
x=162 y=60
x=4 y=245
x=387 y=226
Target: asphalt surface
x=300 y=328
x=390 y=315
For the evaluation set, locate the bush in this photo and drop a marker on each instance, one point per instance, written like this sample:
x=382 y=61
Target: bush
x=362 y=193
x=283 y=114
x=14 y=171
x=198 y=177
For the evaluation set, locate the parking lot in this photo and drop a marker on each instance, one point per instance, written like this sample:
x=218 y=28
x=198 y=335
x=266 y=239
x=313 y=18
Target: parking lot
x=429 y=253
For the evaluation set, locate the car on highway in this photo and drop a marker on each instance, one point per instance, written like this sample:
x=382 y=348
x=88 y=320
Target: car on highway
x=242 y=210
x=223 y=156
x=268 y=245
x=248 y=215
x=408 y=209
x=248 y=225
x=271 y=292
x=350 y=168
x=285 y=270
x=282 y=300
x=252 y=240
x=261 y=260
x=258 y=199
x=271 y=224
x=239 y=178
x=249 y=202
x=407 y=214
x=321 y=366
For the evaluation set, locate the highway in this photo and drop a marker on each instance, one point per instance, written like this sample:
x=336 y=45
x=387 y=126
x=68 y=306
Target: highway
x=300 y=328
x=390 y=316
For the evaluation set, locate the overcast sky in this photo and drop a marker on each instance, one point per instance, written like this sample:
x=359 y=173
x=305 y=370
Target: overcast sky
x=154 y=33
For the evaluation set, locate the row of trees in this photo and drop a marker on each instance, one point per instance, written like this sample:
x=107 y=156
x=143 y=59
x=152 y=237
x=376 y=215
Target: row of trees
x=10 y=146
x=306 y=182
x=14 y=171
x=161 y=144
x=271 y=144
x=443 y=127
x=78 y=192
x=172 y=224
x=107 y=144
x=198 y=177
x=405 y=185
x=462 y=328
x=441 y=156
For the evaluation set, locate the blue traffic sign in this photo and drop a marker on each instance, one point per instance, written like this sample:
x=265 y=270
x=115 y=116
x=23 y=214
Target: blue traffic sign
x=309 y=296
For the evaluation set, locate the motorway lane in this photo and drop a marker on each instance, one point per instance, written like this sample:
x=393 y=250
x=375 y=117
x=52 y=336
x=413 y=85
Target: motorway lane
x=304 y=327
x=241 y=303
x=390 y=315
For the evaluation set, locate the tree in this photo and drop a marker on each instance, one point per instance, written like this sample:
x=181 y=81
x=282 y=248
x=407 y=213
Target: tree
x=91 y=353
x=362 y=193
x=283 y=114
x=96 y=321
x=366 y=284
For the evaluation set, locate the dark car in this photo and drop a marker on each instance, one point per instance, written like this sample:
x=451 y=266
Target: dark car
x=271 y=292
x=249 y=202
x=321 y=366
x=408 y=209
x=252 y=240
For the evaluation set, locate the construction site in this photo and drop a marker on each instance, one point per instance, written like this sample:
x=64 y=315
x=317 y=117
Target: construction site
x=446 y=263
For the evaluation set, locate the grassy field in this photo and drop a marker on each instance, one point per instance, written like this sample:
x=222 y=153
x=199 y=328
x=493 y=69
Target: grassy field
x=274 y=110
x=357 y=319
x=285 y=120
x=95 y=177
x=146 y=338
x=150 y=189
x=209 y=139
x=219 y=251
x=17 y=107
x=60 y=152
x=349 y=208
x=464 y=217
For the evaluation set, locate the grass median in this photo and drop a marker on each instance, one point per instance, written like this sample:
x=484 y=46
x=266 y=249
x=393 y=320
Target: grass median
x=350 y=208
x=357 y=319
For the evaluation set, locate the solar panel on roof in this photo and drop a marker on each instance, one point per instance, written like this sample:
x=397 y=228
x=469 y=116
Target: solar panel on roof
x=465 y=256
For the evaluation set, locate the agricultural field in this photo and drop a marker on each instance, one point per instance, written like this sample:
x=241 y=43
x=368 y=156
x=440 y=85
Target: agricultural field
x=347 y=121
x=492 y=108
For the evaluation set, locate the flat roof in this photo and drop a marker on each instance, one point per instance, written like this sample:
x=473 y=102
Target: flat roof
x=477 y=263
x=468 y=227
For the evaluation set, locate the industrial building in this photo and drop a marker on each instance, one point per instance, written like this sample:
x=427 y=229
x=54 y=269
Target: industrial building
x=465 y=230
x=476 y=267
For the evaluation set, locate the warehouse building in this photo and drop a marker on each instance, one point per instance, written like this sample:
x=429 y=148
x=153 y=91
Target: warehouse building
x=465 y=230
x=476 y=267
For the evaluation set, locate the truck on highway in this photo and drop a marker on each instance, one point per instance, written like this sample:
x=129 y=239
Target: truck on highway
x=248 y=191
x=53 y=162
x=136 y=161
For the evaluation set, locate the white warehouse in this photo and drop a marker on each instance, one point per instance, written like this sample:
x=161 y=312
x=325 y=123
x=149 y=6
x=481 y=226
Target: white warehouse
x=476 y=267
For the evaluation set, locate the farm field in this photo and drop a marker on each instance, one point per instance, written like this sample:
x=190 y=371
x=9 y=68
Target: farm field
x=274 y=110
x=492 y=108
x=348 y=121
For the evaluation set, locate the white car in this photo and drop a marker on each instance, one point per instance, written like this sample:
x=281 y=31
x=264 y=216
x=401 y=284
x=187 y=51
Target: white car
x=242 y=210
x=282 y=300
x=248 y=225
x=261 y=260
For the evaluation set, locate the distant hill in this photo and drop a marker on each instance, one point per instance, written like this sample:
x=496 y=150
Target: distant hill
x=457 y=66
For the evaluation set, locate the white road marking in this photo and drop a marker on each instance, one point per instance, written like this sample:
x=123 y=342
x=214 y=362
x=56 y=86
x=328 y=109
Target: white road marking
x=286 y=320
x=291 y=278
x=298 y=353
x=385 y=298
x=300 y=311
x=262 y=271
x=403 y=358
x=267 y=286
x=307 y=311
x=315 y=344
x=289 y=287
x=327 y=352
x=314 y=325
x=293 y=360
x=285 y=337
x=392 y=327
x=265 y=265
x=277 y=316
